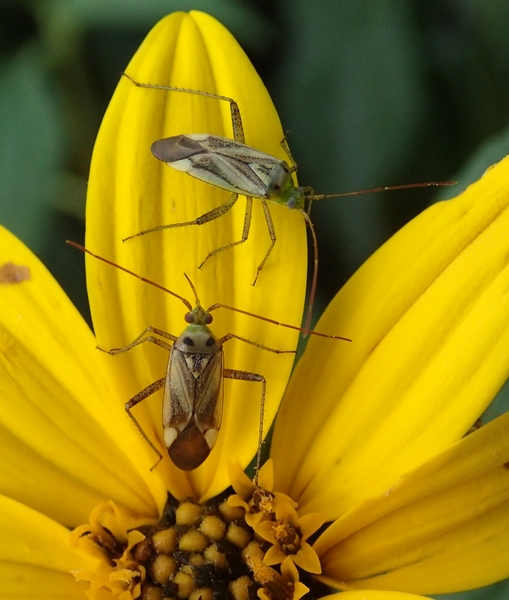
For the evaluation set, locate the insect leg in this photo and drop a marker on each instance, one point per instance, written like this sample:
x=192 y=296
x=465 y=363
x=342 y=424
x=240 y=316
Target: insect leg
x=272 y=233
x=245 y=230
x=286 y=148
x=141 y=338
x=247 y=376
x=309 y=194
x=145 y=393
x=211 y=215
x=238 y=128
x=153 y=387
x=233 y=336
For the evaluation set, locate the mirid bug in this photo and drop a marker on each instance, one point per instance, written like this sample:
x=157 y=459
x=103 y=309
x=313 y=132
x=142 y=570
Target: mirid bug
x=193 y=384
x=231 y=165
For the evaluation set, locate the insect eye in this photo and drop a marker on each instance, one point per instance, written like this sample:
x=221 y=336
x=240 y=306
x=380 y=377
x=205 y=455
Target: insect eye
x=291 y=203
x=189 y=318
x=208 y=319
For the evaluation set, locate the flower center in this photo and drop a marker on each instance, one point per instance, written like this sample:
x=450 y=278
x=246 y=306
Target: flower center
x=198 y=551
x=234 y=547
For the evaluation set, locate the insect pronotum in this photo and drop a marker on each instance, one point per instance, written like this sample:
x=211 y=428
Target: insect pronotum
x=231 y=165
x=193 y=384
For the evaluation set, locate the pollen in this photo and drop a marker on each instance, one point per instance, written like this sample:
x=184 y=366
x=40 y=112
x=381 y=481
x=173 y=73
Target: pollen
x=286 y=534
x=271 y=580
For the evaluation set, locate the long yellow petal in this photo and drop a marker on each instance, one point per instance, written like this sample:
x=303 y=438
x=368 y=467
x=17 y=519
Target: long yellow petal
x=130 y=190
x=36 y=560
x=442 y=528
x=65 y=446
x=428 y=315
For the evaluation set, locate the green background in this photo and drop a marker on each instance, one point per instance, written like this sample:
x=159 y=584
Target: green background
x=371 y=92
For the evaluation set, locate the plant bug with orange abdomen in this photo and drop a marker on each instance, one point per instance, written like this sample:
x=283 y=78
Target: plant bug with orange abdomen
x=242 y=170
x=193 y=384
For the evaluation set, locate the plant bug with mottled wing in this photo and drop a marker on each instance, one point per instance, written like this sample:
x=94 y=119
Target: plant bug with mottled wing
x=242 y=170
x=193 y=384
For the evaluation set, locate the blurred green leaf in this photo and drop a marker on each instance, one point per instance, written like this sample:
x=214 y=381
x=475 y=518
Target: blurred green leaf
x=239 y=16
x=488 y=154
x=497 y=591
x=353 y=95
x=358 y=77
x=32 y=145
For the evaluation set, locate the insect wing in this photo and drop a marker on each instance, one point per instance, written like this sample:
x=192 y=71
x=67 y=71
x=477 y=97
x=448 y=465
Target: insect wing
x=192 y=406
x=219 y=161
x=208 y=408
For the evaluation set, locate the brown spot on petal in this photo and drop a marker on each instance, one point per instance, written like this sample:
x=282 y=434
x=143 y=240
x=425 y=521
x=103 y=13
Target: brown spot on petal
x=11 y=273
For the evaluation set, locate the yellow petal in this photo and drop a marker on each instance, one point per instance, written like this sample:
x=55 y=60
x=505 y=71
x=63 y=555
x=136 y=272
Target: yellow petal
x=240 y=482
x=36 y=559
x=130 y=190
x=274 y=555
x=428 y=315
x=307 y=559
x=266 y=476
x=290 y=573
x=310 y=523
x=442 y=528
x=65 y=446
x=300 y=590
x=265 y=531
x=33 y=583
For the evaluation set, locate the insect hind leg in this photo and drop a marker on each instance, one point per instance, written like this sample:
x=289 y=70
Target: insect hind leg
x=247 y=376
x=237 y=126
x=245 y=229
x=145 y=393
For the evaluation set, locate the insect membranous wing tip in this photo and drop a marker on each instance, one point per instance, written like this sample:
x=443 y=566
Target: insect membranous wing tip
x=178 y=147
x=189 y=449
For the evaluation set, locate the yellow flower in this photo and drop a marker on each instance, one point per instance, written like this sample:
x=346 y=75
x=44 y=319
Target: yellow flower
x=370 y=438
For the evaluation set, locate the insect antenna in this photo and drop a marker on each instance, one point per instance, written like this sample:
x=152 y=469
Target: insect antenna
x=149 y=281
x=384 y=188
x=213 y=307
x=193 y=288
x=312 y=292
x=274 y=322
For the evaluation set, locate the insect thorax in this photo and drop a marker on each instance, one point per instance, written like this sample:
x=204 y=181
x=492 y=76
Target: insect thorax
x=197 y=339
